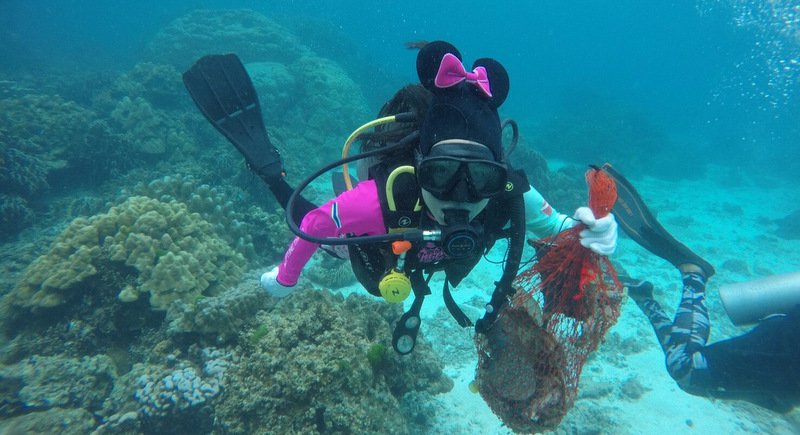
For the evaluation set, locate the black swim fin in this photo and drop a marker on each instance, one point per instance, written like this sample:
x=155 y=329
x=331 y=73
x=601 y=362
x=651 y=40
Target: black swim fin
x=639 y=223
x=224 y=93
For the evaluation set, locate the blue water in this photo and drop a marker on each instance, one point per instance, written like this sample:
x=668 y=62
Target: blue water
x=722 y=73
x=670 y=89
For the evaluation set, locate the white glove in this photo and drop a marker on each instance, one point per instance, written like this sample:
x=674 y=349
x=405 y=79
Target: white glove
x=600 y=235
x=269 y=282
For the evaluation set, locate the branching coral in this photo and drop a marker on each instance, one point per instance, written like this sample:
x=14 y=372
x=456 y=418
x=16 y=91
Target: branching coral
x=175 y=255
x=14 y=215
x=21 y=173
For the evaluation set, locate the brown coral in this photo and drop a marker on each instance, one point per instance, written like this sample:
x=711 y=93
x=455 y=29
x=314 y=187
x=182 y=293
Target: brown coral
x=173 y=253
x=309 y=370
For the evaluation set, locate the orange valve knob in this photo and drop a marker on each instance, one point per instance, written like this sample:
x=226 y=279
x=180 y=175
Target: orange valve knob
x=400 y=247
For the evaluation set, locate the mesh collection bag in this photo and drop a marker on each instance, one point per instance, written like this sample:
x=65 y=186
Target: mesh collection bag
x=530 y=361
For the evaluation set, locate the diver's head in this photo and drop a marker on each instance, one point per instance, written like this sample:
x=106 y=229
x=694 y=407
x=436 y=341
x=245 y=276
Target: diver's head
x=459 y=174
x=460 y=163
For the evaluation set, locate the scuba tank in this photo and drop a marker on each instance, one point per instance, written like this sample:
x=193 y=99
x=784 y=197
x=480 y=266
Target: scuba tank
x=749 y=302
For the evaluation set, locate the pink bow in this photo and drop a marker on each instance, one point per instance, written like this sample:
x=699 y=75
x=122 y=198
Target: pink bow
x=452 y=72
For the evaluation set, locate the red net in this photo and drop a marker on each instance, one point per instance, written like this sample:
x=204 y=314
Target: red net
x=531 y=360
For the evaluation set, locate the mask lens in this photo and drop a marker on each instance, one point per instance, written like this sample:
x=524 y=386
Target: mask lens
x=487 y=178
x=438 y=175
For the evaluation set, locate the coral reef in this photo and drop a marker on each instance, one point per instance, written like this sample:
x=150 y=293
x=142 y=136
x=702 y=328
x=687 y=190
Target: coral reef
x=44 y=382
x=172 y=253
x=309 y=102
x=310 y=362
x=158 y=84
x=111 y=328
x=183 y=387
x=72 y=145
x=312 y=371
x=277 y=84
x=326 y=105
x=15 y=215
x=330 y=272
x=147 y=129
x=222 y=317
x=55 y=420
x=271 y=236
x=45 y=125
x=259 y=236
x=249 y=34
x=21 y=176
x=21 y=173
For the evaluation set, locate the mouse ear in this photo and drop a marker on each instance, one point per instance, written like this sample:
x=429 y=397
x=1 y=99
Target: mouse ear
x=428 y=60
x=498 y=79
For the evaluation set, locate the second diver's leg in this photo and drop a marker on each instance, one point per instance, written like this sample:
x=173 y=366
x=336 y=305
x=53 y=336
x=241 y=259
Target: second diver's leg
x=683 y=338
x=690 y=330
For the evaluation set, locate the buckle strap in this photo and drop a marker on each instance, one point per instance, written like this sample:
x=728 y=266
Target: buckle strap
x=453 y=307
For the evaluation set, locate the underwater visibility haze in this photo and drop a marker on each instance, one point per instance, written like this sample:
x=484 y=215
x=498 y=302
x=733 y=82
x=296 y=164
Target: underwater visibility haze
x=132 y=234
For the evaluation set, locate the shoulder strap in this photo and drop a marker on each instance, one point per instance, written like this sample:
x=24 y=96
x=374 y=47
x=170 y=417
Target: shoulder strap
x=504 y=288
x=399 y=195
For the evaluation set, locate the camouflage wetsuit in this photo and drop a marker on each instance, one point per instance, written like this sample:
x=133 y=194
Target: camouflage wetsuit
x=761 y=366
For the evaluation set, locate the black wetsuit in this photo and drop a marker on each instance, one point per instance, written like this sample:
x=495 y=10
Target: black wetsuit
x=761 y=366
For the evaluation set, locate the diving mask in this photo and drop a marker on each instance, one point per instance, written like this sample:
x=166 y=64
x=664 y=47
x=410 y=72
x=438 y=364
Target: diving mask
x=461 y=170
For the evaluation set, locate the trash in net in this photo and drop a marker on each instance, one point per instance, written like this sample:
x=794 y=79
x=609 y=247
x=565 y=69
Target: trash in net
x=530 y=361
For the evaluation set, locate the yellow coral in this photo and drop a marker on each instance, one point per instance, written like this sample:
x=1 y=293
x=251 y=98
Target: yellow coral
x=176 y=255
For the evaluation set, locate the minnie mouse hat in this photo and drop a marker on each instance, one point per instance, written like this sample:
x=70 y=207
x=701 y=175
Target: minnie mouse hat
x=465 y=103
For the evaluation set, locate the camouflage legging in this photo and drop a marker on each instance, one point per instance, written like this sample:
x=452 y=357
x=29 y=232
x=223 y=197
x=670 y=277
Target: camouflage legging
x=683 y=338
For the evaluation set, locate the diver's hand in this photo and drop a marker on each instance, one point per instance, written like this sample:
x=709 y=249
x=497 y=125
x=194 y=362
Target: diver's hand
x=600 y=235
x=269 y=282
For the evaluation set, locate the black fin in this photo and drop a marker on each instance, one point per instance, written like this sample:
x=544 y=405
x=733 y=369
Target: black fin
x=224 y=93
x=639 y=223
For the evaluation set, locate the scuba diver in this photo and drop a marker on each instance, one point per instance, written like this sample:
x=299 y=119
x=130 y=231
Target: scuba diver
x=436 y=190
x=761 y=366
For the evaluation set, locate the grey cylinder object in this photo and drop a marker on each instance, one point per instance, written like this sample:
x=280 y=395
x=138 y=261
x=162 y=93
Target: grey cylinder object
x=749 y=302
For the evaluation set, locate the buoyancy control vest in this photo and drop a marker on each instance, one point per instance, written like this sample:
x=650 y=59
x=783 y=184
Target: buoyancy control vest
x=371 y=255
x=403 y=210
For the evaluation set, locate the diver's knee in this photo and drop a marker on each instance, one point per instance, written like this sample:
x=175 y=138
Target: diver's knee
x=689 y=372
x=679 y=374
